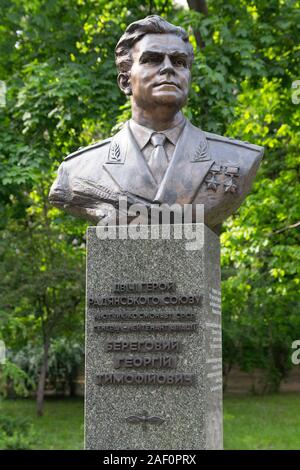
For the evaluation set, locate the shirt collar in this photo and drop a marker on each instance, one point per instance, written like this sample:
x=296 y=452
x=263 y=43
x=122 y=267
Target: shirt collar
x=143 y=134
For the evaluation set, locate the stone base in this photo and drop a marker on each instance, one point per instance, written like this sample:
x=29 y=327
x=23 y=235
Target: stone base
x=153 y=366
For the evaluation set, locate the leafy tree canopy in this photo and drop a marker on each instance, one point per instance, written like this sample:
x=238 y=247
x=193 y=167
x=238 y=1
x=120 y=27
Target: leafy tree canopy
x=56 y=58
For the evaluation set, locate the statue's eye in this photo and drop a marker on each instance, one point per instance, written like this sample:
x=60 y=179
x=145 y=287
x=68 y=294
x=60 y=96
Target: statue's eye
x=180 y=62
x=153 y=59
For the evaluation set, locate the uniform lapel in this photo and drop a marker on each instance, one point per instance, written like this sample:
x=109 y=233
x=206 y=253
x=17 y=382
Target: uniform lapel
x=127 y=166
x=189 y=165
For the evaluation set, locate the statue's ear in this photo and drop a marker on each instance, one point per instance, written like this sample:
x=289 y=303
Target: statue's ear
x=124 y=83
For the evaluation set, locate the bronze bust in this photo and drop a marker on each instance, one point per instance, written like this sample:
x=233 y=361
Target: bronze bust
x=158 y=156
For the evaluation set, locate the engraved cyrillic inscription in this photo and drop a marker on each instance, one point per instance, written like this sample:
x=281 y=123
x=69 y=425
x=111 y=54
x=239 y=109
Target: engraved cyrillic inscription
x=143 y=346
x=159 y=362
x=215 y=301
x=144 y=300
x=129 y=287
x=119 y=327
x=142 y=316
x=140 y=378
x=125 y=319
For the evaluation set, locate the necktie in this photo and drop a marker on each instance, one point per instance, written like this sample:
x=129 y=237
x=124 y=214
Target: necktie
x=158 y=161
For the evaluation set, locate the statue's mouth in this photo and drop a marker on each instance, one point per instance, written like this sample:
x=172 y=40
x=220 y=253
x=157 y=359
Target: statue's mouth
x=165 y=82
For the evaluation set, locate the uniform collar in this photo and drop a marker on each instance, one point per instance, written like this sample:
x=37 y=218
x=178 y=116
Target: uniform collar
x=143 y=134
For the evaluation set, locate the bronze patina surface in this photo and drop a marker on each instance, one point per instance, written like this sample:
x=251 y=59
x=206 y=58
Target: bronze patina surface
x=154 y=61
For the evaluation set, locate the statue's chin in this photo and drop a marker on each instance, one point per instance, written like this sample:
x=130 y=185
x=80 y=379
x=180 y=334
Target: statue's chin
x=168 y=99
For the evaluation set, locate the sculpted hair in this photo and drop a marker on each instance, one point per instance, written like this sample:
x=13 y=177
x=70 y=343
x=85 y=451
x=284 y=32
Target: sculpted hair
x=136 y=31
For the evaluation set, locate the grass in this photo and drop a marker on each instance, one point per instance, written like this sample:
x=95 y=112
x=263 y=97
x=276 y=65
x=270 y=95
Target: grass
x=61 y=427
x=262 y=422
x=268 y=422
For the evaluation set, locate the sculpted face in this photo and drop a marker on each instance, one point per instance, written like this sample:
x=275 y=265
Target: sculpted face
x=160 y=74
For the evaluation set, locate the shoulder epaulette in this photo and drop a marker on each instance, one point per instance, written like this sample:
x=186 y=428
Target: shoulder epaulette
x=86 y=149
x=232 y=140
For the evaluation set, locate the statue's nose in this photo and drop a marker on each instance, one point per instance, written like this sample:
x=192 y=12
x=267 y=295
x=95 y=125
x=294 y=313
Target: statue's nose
x=167 y=67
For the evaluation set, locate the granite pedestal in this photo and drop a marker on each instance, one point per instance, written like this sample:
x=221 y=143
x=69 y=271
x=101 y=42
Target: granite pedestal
x=153 y=343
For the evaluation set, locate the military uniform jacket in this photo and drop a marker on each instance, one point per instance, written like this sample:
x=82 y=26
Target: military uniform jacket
x=205 y=169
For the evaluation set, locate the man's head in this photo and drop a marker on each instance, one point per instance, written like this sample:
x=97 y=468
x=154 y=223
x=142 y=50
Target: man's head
x=154 y=59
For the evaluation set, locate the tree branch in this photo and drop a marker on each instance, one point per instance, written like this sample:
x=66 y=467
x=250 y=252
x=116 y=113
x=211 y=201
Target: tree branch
x=297 y=224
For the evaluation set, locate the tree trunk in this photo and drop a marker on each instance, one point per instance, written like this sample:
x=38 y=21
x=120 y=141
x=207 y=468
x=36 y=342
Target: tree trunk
x=201 y=7
x=198 y=5
x=42 y=379
x=226 y=371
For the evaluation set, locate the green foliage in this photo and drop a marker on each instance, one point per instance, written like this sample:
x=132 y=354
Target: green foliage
x=44 y=287
x=15 y=434
x=261 y=255
x=56 y=58
x=65 y=358
x=13 y=377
